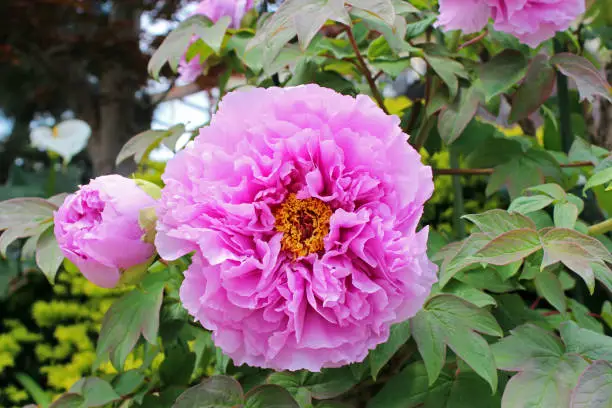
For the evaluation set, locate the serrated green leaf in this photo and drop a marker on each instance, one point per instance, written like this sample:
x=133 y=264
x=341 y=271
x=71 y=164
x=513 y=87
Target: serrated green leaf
x=502 y=72
x=594 y=389
x=549 y=287
x=526 y=205
x=214 y=392
x=135 y=313
x=565 y=215
x=510 y=247
x=586 y=342
x=380 y=356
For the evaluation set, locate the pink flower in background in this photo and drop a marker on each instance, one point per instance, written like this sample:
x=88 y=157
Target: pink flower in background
x=301 y=207
x=531 y=21
x=214 y=10
x=97 y=228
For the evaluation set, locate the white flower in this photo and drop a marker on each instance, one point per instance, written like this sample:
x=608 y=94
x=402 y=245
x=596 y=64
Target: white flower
x=66 y=139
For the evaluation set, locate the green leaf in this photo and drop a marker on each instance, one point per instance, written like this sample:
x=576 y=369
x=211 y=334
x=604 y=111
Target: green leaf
x=502 y=72
x=128 y=382
x=550 y=385
x=49 y=257
x=455 y=117
x=526 y=344
x=497 y=222
x=525 y=205
x=584 y=255
x=408 y=389
x=534 y=90
x=510 y=247
x=69 y=401
x=594 y=389
x=463 y=258
x=565 y=215
x=303 y=18
x=599 y=178
x=546 y=374
x=466 y=292
x=524 y=170
x=418 y=28
x=449 y=71
x=382 y=10
x=135 y=313
x=430 y=343
x=589 y=81
x=22 y=212
x=593 y=246
x=465 y=390
x=214 y=392
x=551 y=189
x=380 y=356
x=95 y=391
x=34 y=390
x=175 y=45
x=330 y=382
x=449 y=320
x=582 y=316
x=12 y=234
x=270 y=396
x=549 y=287
x=177 y=367
x=585 y=342
x=143 y=143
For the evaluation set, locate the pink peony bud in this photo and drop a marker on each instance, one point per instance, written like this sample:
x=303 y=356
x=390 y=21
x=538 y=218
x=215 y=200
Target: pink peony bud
x=97 y=229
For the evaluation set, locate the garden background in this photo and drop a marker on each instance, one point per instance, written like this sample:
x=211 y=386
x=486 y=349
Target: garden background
x=492 y=117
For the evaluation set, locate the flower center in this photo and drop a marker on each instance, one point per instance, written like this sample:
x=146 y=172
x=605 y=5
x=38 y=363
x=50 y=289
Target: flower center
x=304 y=224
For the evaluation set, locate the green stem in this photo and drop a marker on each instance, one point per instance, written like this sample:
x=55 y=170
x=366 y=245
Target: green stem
x=601 y=228
x=564 y=104
x=458 y=207
x=365 y=70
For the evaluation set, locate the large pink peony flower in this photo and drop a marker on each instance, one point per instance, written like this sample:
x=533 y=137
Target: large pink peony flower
x=97 y=228
x=301 y=206
x=214 y=10
x=531 y=21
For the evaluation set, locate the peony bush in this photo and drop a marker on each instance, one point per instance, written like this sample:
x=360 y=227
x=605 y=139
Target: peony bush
x=281 y=260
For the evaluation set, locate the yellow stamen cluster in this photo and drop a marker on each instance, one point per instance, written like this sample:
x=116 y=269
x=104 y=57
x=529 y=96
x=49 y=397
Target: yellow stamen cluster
x=304 y=224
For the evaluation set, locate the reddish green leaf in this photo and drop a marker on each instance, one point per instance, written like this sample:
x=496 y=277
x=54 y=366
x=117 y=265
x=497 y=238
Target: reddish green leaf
x=510 y=247
x=502 y=71
x=588 y=79
x=535 y=89
x=455 y=117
